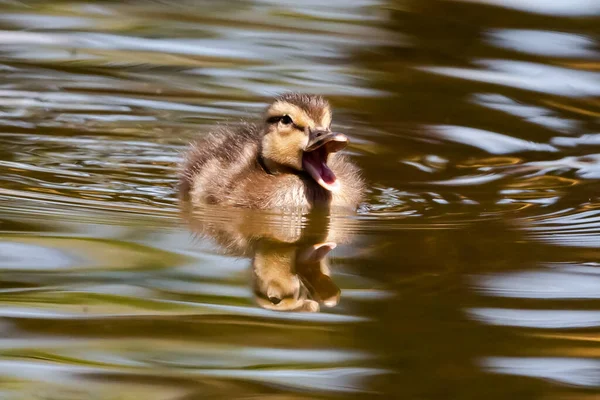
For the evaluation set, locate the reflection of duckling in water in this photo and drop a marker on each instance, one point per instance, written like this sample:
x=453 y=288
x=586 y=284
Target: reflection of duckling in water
x=289 y=264
x=290 y=161
x=293 y=277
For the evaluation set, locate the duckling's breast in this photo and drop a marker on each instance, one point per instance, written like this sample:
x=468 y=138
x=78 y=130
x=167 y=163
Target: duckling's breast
x=260 y=190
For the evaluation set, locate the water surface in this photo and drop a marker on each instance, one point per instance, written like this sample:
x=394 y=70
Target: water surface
x=471 y=271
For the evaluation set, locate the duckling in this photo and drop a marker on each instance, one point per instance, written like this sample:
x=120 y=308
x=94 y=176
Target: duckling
x=288 y=161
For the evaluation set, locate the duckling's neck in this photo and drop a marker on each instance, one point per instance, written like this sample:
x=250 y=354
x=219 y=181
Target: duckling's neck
x=274 y=168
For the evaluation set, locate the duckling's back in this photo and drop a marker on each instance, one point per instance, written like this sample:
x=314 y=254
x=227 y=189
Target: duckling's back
x=213 y=164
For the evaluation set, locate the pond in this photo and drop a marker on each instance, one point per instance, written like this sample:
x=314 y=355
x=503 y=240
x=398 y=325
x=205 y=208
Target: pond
x=471 y=270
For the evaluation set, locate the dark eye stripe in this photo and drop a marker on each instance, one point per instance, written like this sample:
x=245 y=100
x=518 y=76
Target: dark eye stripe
x=277 y=118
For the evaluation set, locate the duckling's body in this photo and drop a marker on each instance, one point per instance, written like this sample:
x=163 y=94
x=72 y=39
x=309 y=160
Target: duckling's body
x=257 y=167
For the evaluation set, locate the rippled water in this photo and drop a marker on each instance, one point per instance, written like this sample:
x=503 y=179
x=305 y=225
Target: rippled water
x=471 y=271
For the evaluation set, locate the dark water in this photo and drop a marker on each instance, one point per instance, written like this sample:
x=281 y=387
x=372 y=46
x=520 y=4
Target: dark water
x=472 y=271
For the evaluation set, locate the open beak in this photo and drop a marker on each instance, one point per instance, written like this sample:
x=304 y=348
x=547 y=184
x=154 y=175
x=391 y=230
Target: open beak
x=321 y=143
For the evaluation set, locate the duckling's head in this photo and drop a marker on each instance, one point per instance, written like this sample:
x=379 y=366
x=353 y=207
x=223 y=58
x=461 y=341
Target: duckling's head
x=297 y=135
x=276 y=284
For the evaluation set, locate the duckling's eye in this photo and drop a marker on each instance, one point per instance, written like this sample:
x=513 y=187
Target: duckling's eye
x=286 y=120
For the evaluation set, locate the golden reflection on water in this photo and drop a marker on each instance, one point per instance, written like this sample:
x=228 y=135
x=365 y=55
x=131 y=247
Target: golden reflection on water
x=288 y=252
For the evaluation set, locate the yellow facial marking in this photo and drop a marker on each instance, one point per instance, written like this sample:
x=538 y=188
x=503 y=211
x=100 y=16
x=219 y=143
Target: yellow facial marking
x=285 y=149
x=326 y=117
x=298 y=115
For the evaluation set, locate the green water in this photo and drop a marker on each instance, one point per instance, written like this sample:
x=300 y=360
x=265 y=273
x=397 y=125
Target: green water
x=470 y=272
